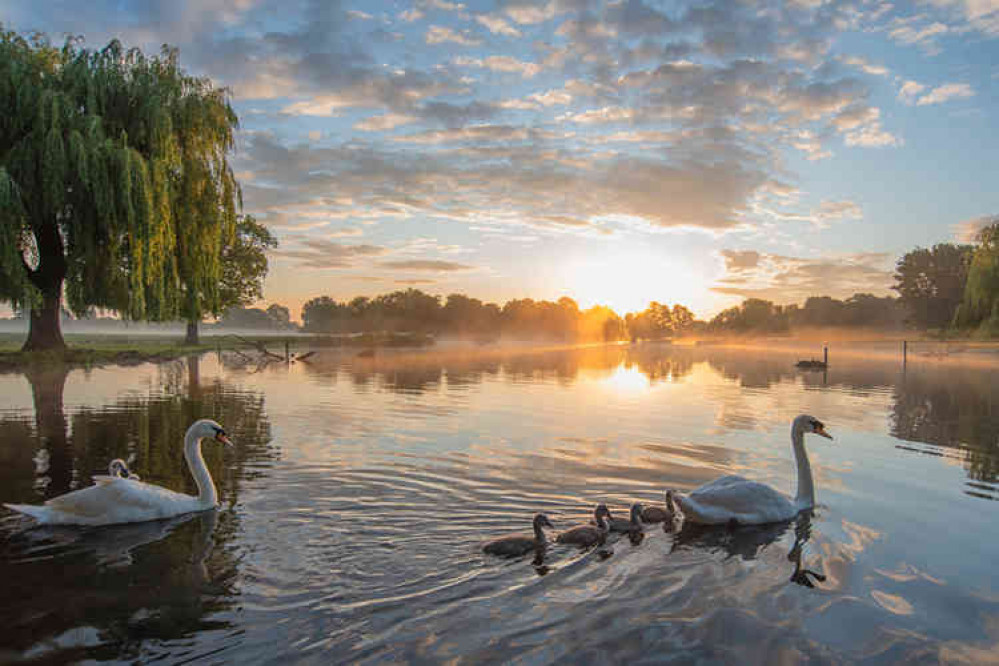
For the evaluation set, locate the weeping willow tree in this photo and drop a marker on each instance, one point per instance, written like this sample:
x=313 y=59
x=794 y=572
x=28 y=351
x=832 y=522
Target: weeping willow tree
x=114 y=184
x=205 y=199
x=980 y=306
x=244 y=267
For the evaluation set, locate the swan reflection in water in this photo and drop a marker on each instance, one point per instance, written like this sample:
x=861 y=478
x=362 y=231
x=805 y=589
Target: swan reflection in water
x=115 y=545
x=748 y=541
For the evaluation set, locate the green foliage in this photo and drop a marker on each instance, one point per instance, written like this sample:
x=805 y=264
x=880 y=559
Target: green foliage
x=78 y=198
x=859 y=311
x=754 y=315
x=275 y=317
x=931 y=283
x=280 y=315
x=113 y=179
x=980 y=305
x=244 y=267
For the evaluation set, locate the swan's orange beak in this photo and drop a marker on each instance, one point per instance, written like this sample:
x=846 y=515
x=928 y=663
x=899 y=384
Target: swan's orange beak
x=222 y=437
x=822 y=431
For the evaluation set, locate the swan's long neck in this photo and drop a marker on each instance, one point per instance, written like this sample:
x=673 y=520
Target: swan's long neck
x=805 y=499
x=195 y=463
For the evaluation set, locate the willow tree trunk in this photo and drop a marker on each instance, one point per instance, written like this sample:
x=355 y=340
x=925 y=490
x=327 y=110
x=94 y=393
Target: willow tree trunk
x=192 y=333
x=45 y=333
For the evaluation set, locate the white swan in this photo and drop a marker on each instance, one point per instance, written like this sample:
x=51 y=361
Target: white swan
x=736 y=499
x=117 y=499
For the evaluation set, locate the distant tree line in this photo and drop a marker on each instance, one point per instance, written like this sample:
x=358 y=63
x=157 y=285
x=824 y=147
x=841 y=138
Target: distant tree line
x=952 y=287
x=459 y=315
x=755 y=315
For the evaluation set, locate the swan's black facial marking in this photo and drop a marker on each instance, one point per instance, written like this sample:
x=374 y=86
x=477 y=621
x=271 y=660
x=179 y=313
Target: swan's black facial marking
x=819 y=428
x=221 y=436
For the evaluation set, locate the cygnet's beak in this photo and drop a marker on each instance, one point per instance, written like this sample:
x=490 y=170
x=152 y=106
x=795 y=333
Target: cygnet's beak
x=822 y=431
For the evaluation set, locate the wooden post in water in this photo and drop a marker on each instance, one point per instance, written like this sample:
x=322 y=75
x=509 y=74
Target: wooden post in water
x=825 y=355
x=905 y=352
x=287 y=354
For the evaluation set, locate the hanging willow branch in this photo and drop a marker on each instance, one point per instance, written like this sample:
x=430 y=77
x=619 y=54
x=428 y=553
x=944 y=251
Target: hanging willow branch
x=114 y=176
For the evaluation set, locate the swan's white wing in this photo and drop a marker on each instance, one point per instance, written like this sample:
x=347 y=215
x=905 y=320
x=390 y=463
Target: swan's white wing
x=736 y=498
x=117 y=500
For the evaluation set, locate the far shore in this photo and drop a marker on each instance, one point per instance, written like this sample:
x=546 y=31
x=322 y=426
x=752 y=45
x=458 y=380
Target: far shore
x=129 y=348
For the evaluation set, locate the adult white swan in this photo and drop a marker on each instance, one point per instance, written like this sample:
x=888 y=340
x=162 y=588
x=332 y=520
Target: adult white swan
x=119 y=499
x=736 y=499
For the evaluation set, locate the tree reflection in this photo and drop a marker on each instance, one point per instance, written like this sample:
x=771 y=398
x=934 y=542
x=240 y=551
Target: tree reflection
x=103 y=593
x=956 y=409
x=460 y=369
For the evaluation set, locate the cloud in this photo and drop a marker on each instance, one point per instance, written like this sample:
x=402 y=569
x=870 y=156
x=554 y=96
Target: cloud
x=444 y=5
x=356 y=14
x=530 y=13
x=967 y=231
x=410 y=15
x=671 y=118
x=786 y=279
x=526 y=183
x=909 y=91
x=981 y=15
x=863 y=65
x=384 y=122
x=946 y=92
x=855 y=116
x=480 y=133
x=497 y=25
x=835 y=210
x=909 y=33
x=872 y=136
x=634 y=17
x=607 y=114
x=319 y=253
x=501 y=64
x=427 y=265
x=737 y=261
x=415 y=281
x=438 y=34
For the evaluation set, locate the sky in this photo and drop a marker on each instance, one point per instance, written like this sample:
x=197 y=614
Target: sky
x=614 y=152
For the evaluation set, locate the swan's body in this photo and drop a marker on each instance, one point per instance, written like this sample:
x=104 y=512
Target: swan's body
x=659 y=514
x=588 y=535
x=736 y=499
x=515 y=545
x=119 y=499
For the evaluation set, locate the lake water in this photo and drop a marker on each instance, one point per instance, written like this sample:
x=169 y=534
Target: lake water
x=360 y=490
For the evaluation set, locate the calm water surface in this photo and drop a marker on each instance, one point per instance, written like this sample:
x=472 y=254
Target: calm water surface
x=360 y=490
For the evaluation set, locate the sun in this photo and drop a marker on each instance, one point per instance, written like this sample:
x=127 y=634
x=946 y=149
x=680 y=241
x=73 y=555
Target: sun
x=627 y=280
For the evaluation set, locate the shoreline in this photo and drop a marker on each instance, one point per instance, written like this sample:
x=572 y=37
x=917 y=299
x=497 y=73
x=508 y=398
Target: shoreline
x=89 y=350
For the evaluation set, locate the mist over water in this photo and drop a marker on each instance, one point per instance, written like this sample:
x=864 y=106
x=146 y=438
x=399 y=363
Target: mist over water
x=361 y=488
